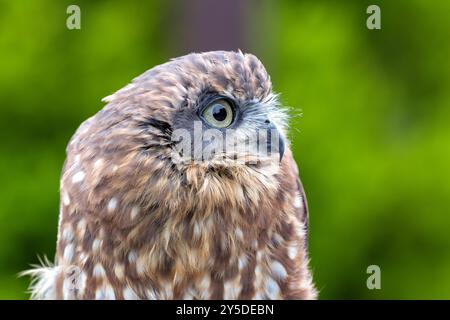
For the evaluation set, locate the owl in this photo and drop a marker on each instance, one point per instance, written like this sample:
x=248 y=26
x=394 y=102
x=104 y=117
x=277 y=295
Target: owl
x=182 y=187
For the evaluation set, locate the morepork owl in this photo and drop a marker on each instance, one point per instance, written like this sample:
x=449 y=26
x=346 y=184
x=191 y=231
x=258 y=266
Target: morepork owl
x=157 y=203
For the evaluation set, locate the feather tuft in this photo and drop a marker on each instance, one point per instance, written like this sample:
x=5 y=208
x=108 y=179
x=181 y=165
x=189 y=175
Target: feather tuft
x=43 y=278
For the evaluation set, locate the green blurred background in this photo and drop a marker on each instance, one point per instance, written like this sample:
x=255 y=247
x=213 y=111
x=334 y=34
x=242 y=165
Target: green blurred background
x=370 y=126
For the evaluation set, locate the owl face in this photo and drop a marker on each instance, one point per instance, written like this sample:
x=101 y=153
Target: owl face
x=221 y=129
x=202 y=120
x=224 y=115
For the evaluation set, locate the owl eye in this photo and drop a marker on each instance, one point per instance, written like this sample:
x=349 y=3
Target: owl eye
x=218 y=114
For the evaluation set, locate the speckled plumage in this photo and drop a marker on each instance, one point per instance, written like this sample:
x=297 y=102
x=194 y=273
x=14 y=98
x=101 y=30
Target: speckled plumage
x=135 y=224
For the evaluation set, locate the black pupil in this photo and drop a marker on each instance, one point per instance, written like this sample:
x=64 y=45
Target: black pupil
x=219 y=112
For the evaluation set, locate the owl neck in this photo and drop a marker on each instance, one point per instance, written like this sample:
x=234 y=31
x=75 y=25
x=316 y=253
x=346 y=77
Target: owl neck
x=224 y=233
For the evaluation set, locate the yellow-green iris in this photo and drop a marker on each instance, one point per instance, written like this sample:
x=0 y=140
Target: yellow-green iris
x=218 y=114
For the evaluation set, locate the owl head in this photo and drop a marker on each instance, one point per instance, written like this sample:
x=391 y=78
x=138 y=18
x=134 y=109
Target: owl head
x=192 y=129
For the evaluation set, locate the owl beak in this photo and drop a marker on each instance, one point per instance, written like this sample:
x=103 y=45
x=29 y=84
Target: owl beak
x=280 y=146
x=272 y=129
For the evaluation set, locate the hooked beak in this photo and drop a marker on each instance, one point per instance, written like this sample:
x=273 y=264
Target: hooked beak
x=280 y=146
x=275 y=141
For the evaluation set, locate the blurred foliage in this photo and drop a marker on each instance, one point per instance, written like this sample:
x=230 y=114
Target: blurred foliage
x=370 y=126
